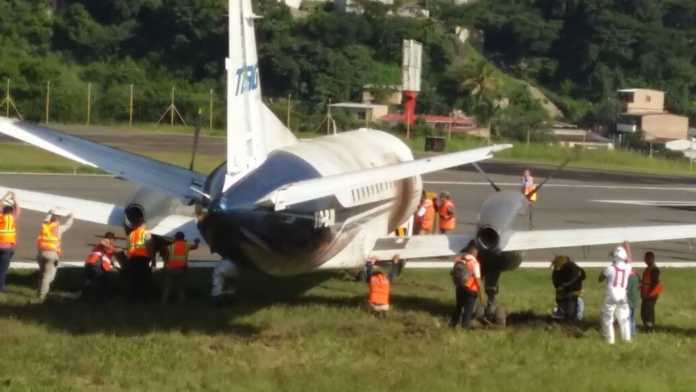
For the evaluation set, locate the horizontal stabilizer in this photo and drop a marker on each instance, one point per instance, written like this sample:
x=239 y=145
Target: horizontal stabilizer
x=98 y=212
x=302 y=191
x=173 y=180
x=548 y=239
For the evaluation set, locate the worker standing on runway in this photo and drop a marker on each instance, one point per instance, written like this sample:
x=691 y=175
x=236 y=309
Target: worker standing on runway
x=379 y=284
x=615 y=304
x=633 y=295
x=49 y=249
x=567 y=279
x=138 y=270
x=425 y=215
x=8 y=234
x=650 y=289
x=529 y=191
x=466 y=277
x=446 y=213
x=176 y=265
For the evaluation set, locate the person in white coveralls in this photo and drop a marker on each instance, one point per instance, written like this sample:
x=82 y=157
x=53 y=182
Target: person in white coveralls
x=615 y=304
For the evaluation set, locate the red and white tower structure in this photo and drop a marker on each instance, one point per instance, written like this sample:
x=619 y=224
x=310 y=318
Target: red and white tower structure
x=411 y=80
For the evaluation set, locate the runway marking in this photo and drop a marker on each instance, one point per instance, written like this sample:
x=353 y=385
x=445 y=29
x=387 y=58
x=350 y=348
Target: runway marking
x=583 y=186
x=2 y=173
x=651 y=203
x=32 y=265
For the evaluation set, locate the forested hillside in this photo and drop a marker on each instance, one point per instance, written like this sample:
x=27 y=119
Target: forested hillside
x=577 y=51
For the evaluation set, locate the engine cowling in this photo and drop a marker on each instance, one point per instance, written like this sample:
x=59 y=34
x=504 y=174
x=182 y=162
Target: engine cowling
x=151 y=205
x=496 y=220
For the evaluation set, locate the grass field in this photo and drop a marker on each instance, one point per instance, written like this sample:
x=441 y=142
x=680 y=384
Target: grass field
x=310 y=333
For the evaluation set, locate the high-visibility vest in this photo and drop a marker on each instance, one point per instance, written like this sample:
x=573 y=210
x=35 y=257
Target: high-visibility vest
x=471 y=263
x=428 y=219
x=178 y=255
x=447 y=222
x=646 y=289
x=529 y=188
x=49 y=237
x=8 y=230
x=137 y=243
x=379 y=289
x=98 y=258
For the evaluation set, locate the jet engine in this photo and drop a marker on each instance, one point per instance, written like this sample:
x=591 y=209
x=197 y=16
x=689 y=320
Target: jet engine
x=151 y=205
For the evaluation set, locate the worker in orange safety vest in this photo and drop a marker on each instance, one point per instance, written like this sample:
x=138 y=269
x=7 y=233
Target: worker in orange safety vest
x=8 y=234
x=650 y=290
x=138 y=268
x=48 y=244
x=529 y=191
x=425 y=215
x=176 y=264
x=379 y=284
x=466 y=277
x=98 y=265
x=446 y=213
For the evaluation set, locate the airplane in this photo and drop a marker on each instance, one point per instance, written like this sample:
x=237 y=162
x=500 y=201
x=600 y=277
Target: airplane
x=286 y=206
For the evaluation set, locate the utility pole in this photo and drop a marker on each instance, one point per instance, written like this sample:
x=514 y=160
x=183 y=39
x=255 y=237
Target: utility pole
x=48 y=101
x=89 y=102
x=287 y=121
x=210 y=110
x=8 y=99
x=130 y=107
x=171 y=116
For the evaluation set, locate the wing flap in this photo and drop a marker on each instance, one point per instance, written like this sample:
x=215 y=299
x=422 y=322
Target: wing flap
x=173 y=180
x=417 y=247
x=547 y=239
x=302 y=191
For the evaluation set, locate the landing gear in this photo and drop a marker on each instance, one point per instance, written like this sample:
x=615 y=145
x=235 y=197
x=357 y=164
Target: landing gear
x=224 y=282
x=493 y=313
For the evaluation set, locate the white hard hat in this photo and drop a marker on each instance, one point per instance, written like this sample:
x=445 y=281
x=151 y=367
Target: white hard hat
x=620 y=254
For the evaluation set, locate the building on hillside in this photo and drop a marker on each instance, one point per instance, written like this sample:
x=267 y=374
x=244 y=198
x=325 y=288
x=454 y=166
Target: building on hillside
x=382 y=94
x=354 y=7
x=367 y=112
x=643 y=112
x=570 y=135
x=413 y=11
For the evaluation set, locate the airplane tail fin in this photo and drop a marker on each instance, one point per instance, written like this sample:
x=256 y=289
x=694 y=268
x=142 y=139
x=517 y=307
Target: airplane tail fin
x=252 y=129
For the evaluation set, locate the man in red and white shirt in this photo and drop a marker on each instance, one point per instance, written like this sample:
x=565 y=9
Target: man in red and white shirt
x=615 y=305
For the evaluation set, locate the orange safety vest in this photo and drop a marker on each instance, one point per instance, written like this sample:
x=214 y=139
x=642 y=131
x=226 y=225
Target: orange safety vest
x=379 y=289
x=428 y=219
x=178 y=255
x=447 y=222
x=49 y=237
x=646 y=289
x=529 y=187
x=137 y=243
x=471 y=263
x=8 y=230
x=96 y=257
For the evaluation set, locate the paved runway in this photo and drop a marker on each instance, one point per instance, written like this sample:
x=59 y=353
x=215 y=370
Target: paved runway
x=566 y=202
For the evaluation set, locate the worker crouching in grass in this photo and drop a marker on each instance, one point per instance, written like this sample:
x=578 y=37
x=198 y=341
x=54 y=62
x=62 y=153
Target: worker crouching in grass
x=98 y=266
x=379 y=284
x=176 y=266
x=567 y=279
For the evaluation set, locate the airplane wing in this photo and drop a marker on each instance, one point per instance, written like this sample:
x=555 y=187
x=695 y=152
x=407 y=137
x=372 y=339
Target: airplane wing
x=173 y=180
x=302 y=191
x=100 y=213
x=546 y=239
x=432 y=246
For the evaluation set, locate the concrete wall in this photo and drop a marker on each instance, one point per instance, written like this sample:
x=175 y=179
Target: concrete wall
x=664 y=126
